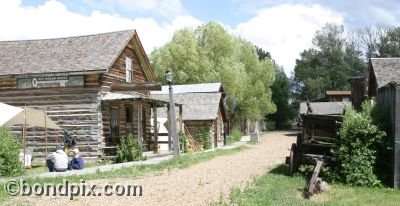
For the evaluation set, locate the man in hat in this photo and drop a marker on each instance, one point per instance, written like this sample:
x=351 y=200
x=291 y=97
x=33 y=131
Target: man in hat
x=77 y=161
x=58 y=160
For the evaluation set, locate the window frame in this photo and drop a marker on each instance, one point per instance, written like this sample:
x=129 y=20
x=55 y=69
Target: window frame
x=114 y=122
x=128 y=70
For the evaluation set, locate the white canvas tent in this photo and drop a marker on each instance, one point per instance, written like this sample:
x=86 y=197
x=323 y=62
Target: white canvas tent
x=7 y=112
x=10 y=116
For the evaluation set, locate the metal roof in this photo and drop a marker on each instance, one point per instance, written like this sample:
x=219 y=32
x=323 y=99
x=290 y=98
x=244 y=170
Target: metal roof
x=135 y=96
x=71 y=54
x=386 y=70
x=324 y=107
x=117 y=96
x=191 y=88
x=196 y=106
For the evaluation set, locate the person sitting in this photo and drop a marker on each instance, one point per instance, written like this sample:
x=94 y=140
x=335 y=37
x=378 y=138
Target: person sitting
x=58 y=160
x=77 y=161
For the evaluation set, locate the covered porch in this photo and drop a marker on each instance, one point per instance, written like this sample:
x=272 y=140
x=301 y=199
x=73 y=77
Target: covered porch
x=133 y=114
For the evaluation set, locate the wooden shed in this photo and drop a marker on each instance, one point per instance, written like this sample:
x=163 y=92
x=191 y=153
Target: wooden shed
x=95 y=86
x=202 y=107
x=383 y=83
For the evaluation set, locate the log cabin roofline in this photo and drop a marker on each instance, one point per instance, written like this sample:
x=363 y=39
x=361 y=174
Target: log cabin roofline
x=53 y=73
x=384 y=70
x=80 y=54
x=148 y=70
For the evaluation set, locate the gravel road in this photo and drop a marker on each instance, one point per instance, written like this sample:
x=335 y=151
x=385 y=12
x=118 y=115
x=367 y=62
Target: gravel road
x=199 y=184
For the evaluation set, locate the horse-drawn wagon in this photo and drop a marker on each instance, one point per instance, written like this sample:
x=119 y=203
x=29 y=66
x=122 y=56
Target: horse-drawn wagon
x=317 y=135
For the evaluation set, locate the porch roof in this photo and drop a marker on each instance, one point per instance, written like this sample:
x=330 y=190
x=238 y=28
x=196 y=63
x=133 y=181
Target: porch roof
x=112 y=96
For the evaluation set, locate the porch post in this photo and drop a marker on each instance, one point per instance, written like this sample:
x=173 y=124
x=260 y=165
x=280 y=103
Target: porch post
x=169 y=130
x=180 y=119
x=139 y=124
x=155 y=128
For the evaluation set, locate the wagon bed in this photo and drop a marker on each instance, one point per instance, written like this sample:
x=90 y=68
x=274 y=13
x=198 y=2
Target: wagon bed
x=316 y=137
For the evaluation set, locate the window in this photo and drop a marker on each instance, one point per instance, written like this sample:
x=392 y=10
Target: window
x=114 y=122
x=128 y=115
x=128 y=69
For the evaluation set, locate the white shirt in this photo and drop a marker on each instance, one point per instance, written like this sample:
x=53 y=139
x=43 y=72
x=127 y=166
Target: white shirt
x=60 y=159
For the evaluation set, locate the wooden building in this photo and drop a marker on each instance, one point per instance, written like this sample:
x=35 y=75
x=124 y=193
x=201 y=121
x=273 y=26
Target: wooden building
x=335 y=96
x=383 y=82
x=95 y=86
x=202 y=107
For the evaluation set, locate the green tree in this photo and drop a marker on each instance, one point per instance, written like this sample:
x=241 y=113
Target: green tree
x=380 y=41
x=285 y=112
x=211 y=54
x=391 y=43
x=327 y=65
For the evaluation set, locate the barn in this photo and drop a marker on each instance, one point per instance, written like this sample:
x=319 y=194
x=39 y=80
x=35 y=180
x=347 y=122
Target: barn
x=96 y=87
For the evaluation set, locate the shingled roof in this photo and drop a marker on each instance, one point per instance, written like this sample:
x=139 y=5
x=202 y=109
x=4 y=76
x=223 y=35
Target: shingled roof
x=386 y=70
x=81 y=53
x=196 y=106
x=324 y=108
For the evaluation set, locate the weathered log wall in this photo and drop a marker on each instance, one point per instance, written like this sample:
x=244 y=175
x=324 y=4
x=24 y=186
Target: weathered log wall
x=72 y=108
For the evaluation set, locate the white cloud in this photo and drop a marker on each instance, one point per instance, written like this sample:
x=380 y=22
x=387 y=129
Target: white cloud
x=286 y=30
x=162 y=7
x=53 y=19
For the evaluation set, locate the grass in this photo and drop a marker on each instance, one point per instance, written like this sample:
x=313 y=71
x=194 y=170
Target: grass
x=235 y=136
x=277 y=188
x=134 y=171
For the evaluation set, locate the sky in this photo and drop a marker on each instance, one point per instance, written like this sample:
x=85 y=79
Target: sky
x=282 y=27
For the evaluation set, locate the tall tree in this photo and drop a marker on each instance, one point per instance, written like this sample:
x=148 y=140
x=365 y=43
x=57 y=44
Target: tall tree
x=391 y=43
x=380 y=41
x=281 y=119
x=210 y=54
x=327 y=65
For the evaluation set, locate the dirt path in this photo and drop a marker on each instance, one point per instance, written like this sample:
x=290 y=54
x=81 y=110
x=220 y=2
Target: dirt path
x=199 y=184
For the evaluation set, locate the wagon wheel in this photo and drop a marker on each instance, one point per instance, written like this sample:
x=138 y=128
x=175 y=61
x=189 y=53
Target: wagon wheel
x=292 y=160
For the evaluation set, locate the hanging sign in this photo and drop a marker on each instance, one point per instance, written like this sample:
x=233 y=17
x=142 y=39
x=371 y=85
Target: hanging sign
x=50 y=81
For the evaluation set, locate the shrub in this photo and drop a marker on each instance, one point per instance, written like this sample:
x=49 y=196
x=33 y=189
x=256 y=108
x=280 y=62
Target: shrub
x=355 y=154
x=184 y=140
x=203 y=136
x=271 y=126
x=9 y=154
x=235 y=136
x=381 y=118
x=129 y=149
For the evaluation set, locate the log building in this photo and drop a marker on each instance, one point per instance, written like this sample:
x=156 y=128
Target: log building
x=202 y=108
x=95 y=86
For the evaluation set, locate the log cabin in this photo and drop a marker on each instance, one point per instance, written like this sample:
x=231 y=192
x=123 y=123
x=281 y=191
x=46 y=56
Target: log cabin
x=202 y=107
x=96 y=87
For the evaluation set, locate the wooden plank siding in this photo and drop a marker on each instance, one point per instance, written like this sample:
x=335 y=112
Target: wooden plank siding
x=72 y=108
x=388 y=97
x=116 y=74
